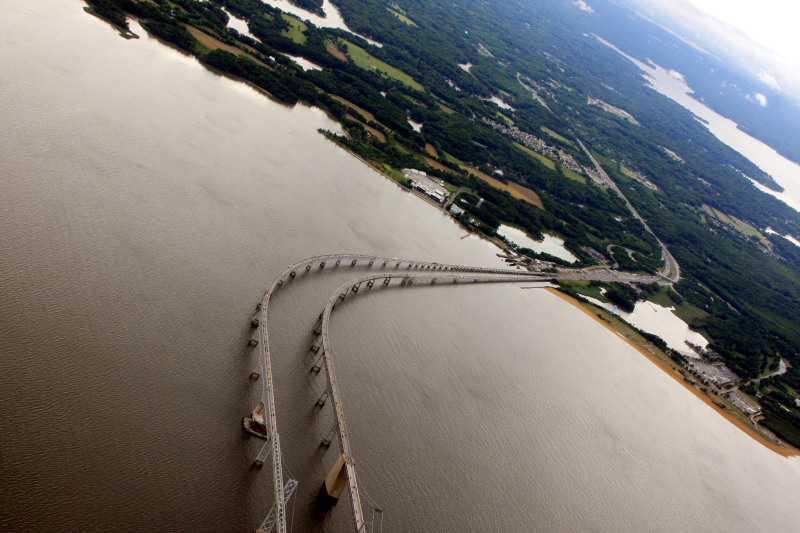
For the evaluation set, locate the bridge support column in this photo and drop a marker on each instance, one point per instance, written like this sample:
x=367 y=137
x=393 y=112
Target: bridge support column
x=317 y=343
x=354 y=262
x=326 y=442
x=371 y=262
x=354 y=288
x=322 y=399
x=370 y=283
x=253 y=342
x=317 y=364
x=337 y=477
x=322 y=264
x=308 y=267
x=254 y=323
x=338 y=261
x=386 y=281
x=292 y=274
x=386 y=261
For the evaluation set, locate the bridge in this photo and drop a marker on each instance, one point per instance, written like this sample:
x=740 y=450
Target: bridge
x=407 y=273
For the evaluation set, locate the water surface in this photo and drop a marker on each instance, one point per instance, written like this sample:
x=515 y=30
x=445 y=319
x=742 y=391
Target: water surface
x=146 y=205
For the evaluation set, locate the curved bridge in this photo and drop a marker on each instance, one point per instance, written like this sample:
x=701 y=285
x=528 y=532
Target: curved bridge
x=283 y=490
x=407 y=272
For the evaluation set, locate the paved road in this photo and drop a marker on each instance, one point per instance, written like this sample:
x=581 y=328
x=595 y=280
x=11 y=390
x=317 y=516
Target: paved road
x=671 y=270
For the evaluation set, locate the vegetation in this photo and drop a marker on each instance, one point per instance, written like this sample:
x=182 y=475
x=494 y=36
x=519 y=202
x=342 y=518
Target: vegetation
x=739 y=287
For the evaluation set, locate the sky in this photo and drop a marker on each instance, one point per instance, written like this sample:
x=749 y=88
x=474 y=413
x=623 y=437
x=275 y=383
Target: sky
x=771 y=23
x=763 y=36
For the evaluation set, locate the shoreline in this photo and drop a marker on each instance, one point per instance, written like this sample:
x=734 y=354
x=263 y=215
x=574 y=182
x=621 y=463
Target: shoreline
x=785 y=451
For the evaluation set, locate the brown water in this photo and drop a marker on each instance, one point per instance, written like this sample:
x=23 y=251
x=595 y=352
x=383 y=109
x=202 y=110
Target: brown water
x=146 y=205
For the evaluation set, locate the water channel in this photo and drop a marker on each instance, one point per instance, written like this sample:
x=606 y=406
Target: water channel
x=146 y=205
x=671 y=84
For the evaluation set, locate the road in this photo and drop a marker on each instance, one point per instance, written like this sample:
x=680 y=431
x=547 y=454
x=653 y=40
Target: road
x=671 y=270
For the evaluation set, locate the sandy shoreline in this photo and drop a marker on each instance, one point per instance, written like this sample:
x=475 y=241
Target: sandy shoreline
x=785 y=451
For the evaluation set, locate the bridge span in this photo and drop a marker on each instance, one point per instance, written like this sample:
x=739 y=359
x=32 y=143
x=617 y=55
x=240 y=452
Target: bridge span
x=283 y=490
x=407 y=272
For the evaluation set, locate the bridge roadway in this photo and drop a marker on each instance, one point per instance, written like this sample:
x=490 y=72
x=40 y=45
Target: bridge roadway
x=278 y=513
x=454 y=273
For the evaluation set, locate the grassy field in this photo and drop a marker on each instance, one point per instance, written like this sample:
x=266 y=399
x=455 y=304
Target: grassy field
x=375 y=133
x=363 y=59
x=549 y=163
x=571 y=174
x=685 y=311
x=446 y=109
x=296 y=30
x=363 y=112
x=401 y=16
x=505 y=118
x=212 y=43
x=431 y=149
x=335 y=52
x=435 y=164
x=556 y=136
x=739 y=225
x=514 y=189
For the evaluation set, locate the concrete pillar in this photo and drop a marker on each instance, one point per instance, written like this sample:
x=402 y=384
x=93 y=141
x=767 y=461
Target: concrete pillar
x=354 y=262
x=292 y=274
x=322 y=264
x=326 y=442
x=308 y=267
x=337 y=477
x=322 y=399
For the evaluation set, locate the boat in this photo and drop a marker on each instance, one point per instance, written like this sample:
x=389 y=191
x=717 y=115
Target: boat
x=255 y=424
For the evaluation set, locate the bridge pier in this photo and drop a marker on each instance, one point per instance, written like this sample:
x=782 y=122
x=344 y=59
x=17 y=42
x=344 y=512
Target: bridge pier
x=326 y=442
x=317 y=363
x=317 y=343
x=386 y=281
x=254 y=323
x=336 y=479
x=338 y=262
x=370 y=283
x=253 y=342
x=322 y=399
x=308 y=267
x=322 y=264
x=371 y=262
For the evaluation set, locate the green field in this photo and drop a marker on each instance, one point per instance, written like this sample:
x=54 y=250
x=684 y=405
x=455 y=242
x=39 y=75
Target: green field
x=739 y=225
x=556 y=136
x=685 y=311
x=401 y=16
x=571 y=174
x=296 y=30
x=506 y=119
x=363 y=59
x=546 y=161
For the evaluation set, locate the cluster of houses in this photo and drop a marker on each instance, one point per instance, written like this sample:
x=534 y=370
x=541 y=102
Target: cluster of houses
x=535 y=143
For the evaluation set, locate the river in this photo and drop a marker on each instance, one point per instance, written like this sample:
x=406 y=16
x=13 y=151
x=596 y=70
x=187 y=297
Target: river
x=671 y=84
x=146 y=205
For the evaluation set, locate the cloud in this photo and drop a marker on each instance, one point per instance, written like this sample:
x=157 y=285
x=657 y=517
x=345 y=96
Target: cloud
x=583 y=6
x=769 y=80
x=721 y=39
x=760 y=99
